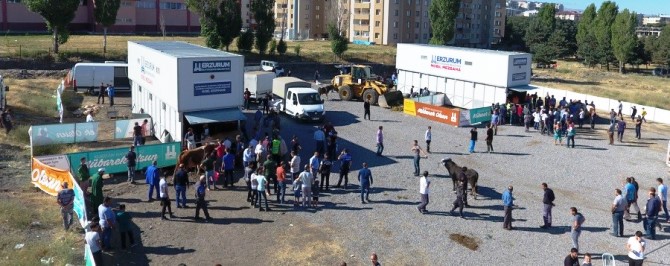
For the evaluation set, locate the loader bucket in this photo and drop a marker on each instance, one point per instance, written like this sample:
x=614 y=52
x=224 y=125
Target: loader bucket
x=392 y=98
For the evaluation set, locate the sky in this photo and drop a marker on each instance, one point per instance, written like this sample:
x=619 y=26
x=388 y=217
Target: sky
x=647 y=7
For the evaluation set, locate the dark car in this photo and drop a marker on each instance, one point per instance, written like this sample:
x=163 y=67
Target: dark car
x=660 y=72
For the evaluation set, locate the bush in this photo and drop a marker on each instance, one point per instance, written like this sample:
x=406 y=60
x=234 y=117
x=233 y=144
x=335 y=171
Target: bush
x=273 y=47
x=296 y=50
x=19 y=135
x=245 y=42
x=71 y=100
x=281 y=47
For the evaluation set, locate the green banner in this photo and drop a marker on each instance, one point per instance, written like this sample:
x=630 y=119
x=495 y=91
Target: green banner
x=480 y=115
x=114 y=161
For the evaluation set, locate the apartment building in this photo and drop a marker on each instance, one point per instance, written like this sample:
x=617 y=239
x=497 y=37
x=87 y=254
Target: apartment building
x=301 y=19
x=568 y=15
x=478 y=24
x=136 y=16
x=656 y=20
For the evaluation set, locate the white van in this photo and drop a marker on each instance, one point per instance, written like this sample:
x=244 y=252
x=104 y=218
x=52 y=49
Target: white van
x=89 y=76
x=272 y=66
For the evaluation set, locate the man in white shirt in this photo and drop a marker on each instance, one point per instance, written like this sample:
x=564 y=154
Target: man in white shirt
x=165 y=198
x=295 y=165
x=636 y=246
x=307 y=179
x=428 y=136
x=94 y=243
x=260 y=153
x=314 y=163
x=248 y=156
x=320 y=138
x=424 y=189
x=663 y=196
x=89 y=118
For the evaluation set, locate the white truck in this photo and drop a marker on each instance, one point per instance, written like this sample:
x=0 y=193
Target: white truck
x=296 y=98
x=259 y=83
x=89 y=76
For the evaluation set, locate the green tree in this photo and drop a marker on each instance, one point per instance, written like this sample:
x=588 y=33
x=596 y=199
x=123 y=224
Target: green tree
x=57 y=14
x=273 y=47
x=603 y=31
x=515 y=33
x=229 y=22
x=245 y=42
x=662 y=54
x=265 y=21
x=209 y=14
x=586 y=35
x=624 y=39
x=105 y=13
x=569 y=28
x=281 y=47
x=538 y=33
x=442 y=15
x=338 y=43
x=641 y=56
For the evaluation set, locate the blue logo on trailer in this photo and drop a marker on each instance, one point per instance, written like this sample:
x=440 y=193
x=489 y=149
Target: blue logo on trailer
x=445 y=62
x=211 y=66
x=213 y=88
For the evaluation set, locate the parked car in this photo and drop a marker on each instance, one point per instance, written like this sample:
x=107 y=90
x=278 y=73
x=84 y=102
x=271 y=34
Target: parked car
x=272 y=66
x=661 y=71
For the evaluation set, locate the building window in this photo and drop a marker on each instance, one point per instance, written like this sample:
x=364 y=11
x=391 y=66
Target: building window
x=378 y=1
x=498 y=14
x=306 y=7
x=497 y=31
x=425 y=25
x=395 y=35
x=418 y=13
x=306 y=26
x=124 y=20
x=417 y=25
x=406 y=35
x=171 y=5
x=146 y=4
x=408 y=24
x=377 y=12
x=409 y=2
x=408 y=13
x=317 y=7
x=395 y=24
x=425 y=14
x=151 y=96
x=126 y=3
x=425 y=36
x=14 y=1
x=377 y=35
x=418 y=2
x=497 y=5
x=396 y=12
x=317 y=16
x=497 y=22
x=416 y=36
x=377 y=23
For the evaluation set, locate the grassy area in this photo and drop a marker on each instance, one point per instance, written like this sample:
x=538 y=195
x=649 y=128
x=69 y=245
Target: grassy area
x=89 y=47
x=633 y=87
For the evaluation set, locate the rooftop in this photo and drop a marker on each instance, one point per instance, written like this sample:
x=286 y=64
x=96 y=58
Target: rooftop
x=464 y=49
x=184 y=49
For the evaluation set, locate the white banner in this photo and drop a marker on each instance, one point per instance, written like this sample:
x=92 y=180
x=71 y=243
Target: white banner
x=59 y=161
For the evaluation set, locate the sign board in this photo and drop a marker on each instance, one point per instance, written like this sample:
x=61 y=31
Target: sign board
x=480 y=115
x=435 y=113
x=59 y=161
x=124 y=128
x=114 y=161
x=212 y=88
x=211 y=66
x=63 y=133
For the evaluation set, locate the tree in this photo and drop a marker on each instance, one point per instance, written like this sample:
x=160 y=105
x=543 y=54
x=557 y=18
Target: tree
x=273 y=47
x=662 y=54
x=538 y=33
x=105 y=13
x=229 y=22
x=245 y=42
x=515 y=32
x=641 y=55
x=585 y=33
x=281 y=47
x=603 y=32
x=338 y=15
x=338 y=44
x=57 y=15
x=624 y=39
x=209 y=14
x=569 y=28
x=442 y=15
x=265 y=21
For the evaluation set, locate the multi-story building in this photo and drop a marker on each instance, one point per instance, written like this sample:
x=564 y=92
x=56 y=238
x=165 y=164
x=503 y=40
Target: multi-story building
x=387 y=22
x=657 y=20
x=301 y=19
x=137 y=16
x=648 y=31
x=568 y=15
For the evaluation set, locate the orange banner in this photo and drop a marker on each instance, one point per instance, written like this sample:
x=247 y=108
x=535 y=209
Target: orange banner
x=50 y=179
x=435 y=113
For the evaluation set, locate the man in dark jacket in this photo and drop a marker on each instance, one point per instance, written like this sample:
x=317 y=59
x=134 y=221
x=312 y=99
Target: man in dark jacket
x=653 y=208
x=180 y=186
x=548 y=201
x=200 y=202
x=366 y=109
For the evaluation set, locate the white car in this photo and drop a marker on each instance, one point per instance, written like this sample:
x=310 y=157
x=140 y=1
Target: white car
x=272 y=66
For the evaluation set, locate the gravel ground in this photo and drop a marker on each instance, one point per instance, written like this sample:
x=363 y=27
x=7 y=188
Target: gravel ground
x=583 y=177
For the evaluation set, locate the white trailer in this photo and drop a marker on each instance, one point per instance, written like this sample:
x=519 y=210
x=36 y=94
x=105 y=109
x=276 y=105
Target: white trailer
x=181 y=85
x=470 y=78
x=259 y=83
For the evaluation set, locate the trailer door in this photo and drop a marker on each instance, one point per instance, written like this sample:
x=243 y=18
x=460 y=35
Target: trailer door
x=121 y=80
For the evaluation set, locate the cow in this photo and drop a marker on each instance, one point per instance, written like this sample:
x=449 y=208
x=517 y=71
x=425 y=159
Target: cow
x=194 y=157
x=454 y=169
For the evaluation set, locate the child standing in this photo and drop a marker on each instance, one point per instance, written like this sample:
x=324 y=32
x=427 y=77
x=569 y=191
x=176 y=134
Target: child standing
x=123 y=218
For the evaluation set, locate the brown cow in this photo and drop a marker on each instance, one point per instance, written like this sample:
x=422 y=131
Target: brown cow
x=193 y=157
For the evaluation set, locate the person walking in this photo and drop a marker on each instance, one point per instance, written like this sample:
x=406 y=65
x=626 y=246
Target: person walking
x=200 y=201
x=270 y=167
x=618 y=208
x=228 y=166
x=620 y=113
x=295 y=164
x=107 y=222
x=631 y=199
x=153 y=178
x=610 y=132
x=366 y=109
x=101 y=93
x=424 y=189
x=489 y=138
x=314 y=164
x=653 y=207
x=429 y=137
x=473 y=139
x=123 y=221
x=365 y=179
x=663 y=196
x=324 y=169
x=380 y=141
x=621 y=127
x=548 y=202
x=96 y=188
x=345 y=166
x=416 y=151
x=319 y=137
x=6 y=120
x=131 y=158
x=571 y=136
x=165 y=198
x=260 y=190
x=576 y=228
x=111 y=92
x=306 y=178
x=508 y=204
x=633 y=113
x=65 y=200
x=180 y=186
x=459 y=202
x=636 y=246
x=638 y=127
x=247 y=98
